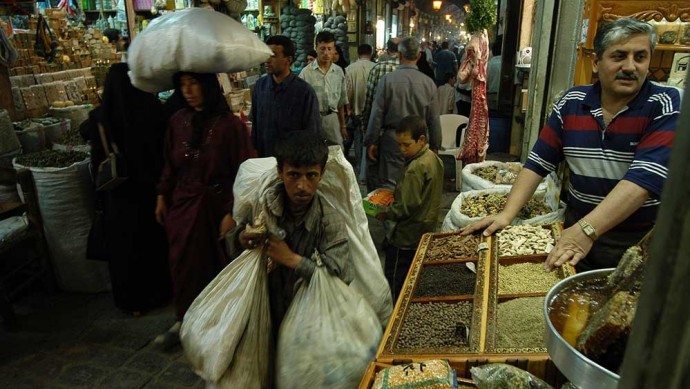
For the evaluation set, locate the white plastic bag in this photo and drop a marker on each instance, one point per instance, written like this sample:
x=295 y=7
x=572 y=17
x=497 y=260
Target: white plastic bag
x=65 y=199
x=227 y=327
x=338 y=188
x=328 y=336
x=195 y=40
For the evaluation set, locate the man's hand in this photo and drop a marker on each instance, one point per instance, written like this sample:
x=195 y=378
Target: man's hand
x=573 y=245
x=343 y=132
x=279 y=251
x=373 y=152
x=250 y=240
x=161 y=209
x=490 y=224
x=227 y=224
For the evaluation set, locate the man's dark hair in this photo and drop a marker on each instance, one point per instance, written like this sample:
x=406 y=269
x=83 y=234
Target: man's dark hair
x=312 y=53
x=364 y=49
x=497 y=46
x=448 y=76
x=444 y=45
x=301 y=149
x=392 y=45
x=325 y=37
x=413 y=125
x=112 y=34
x=286 y=43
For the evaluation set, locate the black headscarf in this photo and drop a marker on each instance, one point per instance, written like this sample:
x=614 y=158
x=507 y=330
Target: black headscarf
x=134 y=120
x=214 y=103
x=424 y=67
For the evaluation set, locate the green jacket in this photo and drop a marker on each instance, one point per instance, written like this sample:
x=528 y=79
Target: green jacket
x=417 y=199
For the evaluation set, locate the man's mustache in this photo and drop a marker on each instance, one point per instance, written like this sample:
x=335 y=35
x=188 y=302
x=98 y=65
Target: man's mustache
x=626 y=76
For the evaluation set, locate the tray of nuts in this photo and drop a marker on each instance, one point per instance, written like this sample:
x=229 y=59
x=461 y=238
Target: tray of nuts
x=524 y=240
x=451 y=246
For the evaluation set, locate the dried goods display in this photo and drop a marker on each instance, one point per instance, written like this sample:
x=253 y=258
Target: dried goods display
x=524 y=240
x=520 y=323
x=527 y=277
x=487 y=172
x=51 y=158
x=500 y=173
x=445 y=280
x=492 y=204
x=430 y=325
x=71 y=137
x=500 y=375
x=433 y=373
x=453 y=247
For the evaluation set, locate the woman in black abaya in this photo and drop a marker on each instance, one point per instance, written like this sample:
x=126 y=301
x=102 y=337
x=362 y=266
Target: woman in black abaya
x=135 y=244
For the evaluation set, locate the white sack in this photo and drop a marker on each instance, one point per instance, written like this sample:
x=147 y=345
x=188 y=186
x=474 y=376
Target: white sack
x=460 y=220
x=228 y=324
x=195 y=40
x=470 y=181
x=65 y=199
x=338 y=188
x=328 y=336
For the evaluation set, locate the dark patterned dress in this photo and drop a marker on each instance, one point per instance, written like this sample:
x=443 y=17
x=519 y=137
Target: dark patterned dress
x=197 y=184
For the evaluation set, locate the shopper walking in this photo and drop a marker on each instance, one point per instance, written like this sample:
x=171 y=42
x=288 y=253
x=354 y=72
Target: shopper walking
x=281 y=102
x=386 y=64
x=446 y=62
x=357 y=74
x=134 y=245
x=404 y=92
x=204 y=147
x=328 y=81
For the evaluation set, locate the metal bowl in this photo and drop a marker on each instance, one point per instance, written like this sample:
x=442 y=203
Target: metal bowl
x=580 y=370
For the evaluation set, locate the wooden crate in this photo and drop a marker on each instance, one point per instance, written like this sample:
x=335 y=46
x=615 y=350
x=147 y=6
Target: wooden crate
x=375 y=367
x=481 y=348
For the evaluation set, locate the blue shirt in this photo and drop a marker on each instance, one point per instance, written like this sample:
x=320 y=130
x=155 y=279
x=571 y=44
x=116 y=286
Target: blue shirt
x=446 y=62
x=278 y=109
x=635 y=146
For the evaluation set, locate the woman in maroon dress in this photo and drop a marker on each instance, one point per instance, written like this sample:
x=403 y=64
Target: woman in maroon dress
x=204 y=148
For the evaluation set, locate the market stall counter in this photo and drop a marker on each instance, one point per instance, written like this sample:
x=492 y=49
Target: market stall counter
x=473 y=300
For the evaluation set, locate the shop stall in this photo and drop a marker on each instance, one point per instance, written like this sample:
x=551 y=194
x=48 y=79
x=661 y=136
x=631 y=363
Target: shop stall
x=473 y=300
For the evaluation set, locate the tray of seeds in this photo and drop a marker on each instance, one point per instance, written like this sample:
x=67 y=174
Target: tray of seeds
x=449 y=246
x=440 y=306
x=369 y=377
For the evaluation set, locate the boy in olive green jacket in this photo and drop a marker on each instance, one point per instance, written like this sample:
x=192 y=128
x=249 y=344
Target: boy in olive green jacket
x=417 y=200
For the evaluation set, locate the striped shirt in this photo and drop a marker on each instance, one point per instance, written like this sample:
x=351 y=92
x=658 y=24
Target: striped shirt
x=383 y=67
x=635 y=146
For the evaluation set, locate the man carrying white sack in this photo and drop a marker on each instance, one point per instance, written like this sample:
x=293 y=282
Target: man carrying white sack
x=309 y=224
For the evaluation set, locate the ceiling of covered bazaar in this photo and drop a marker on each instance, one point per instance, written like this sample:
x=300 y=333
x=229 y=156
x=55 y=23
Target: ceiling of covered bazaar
x=448 y=6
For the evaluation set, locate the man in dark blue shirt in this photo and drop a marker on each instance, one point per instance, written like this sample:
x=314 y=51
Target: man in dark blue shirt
x=446 y=62
x=281 y=102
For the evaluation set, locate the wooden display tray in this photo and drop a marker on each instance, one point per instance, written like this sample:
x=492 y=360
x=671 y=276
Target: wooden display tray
x=480 y=350
x=540 y=367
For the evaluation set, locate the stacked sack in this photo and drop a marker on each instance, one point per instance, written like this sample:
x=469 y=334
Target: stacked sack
x=337 y=24
x=298 y=25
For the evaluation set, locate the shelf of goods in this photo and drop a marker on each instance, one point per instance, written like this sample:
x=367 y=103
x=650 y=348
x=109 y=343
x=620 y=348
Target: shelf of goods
x=488 y=312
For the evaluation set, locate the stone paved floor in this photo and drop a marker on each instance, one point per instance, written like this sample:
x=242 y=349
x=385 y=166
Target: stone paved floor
x=74 y=341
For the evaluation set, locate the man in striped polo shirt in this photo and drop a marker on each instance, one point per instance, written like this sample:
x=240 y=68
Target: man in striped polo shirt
x=616 y=137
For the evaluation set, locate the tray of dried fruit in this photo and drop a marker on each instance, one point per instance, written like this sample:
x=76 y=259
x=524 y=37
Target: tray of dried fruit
x=518 y=285
x=441 y=303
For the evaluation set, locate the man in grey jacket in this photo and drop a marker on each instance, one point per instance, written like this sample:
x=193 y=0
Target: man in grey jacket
x=401 y=93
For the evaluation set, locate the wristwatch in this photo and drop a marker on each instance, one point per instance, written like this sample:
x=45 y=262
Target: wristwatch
x=588 y=229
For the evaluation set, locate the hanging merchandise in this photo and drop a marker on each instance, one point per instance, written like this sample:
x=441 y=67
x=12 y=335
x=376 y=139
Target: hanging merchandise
x=298 y=25
x=46 y=44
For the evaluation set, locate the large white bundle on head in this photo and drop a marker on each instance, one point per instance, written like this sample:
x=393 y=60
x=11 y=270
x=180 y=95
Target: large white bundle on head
x=193 y=40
